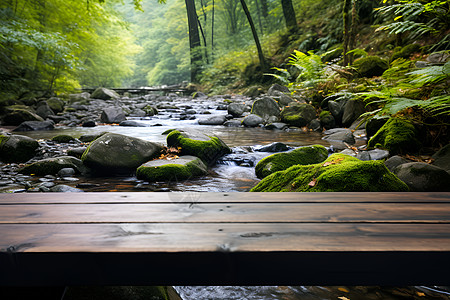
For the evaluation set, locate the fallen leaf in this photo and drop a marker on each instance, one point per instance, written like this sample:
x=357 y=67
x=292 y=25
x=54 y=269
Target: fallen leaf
x=420 y=294
x=343 y=290
x=312 y=183
x=343 y=298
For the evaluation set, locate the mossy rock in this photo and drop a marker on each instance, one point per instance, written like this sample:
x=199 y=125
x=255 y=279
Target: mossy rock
x=181 y=168
x=17 y=148
x=370 y=66
x=56 y=104
x=406 y=51
x=298 y=114
x=51 y=166
x=207 y=148
x=150 y=110
x=63 y=138
x=17 y=114
x=281 y=161
x=397 y=136
x=339 y=173
x=327 y=120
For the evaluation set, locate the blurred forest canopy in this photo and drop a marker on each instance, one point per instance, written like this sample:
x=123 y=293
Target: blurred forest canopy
x=52 y=46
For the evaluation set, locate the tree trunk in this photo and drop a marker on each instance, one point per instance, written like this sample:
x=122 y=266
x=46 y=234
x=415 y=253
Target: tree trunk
x=212 y=31
x=352 y=38
x=259 y=17
x=262 y=60
x=264 y=8
x=194 y=39
x=289 y=15
x=346 y=22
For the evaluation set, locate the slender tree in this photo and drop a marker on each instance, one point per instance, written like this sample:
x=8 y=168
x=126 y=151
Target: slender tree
x=346 y=22
x=289 y=15
x=194 y=39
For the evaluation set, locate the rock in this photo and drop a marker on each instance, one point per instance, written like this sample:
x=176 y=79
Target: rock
x=236 y=109
x=61 y=188
x=339 y=173
x=43 y=110
x=265 y=107
x=274 y=147
x=112 y=115
x=63 y=138
x=442 y=158
x=66 y=172
x=76 y=152
x=181 y=168
x=87 y=138
x=341 y=136
x=117 y=153
x=104 y=94
x=252 y=120
x=130 y=123
x=315 y=125
x=298 y=114
x=276 y=125
x=17 y=148
x=138 y=113
x=421 y=64
x=370 y=66
x=222 y=107
x=57 y=119
x=277 y=87
x=233 y=123
x=51 y=166
x=378 y=154
x=337 y=110
x=18 y=114
x=197 y=95
x=397 y=136
x=394 y=161
x=213 y=120
x=405 y=52
x=253 y=91
x=352 y=110
x=193 y=142
x=327 y=120
x=282 y=161
x=438 y=57
x=35 y=126
x=422 y=177
x=79 y=97
x=56 y=104
x=89 y=123
x=374 y=124
x=150 y=110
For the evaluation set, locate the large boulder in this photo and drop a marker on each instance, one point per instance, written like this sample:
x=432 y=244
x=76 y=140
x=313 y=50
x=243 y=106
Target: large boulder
x=265 y=108
x=117 y=153
x=56 y=104
x=79 y=97
x=422 y=177
x=35 y=126
x=442 y=158
x=397 y=136
x=181 y=168
x=213 y=120
x=299 y=115
x=281 y=161
x=252 y=120
x=236 y=109
x=337 y=109
x=191 y=142
x=51 y=166
x=370 y=66
x=112 y=115
x=104 y=94
x=338 y=137
x=352 y=110
x=339 y=173
x=44 y=110
x=17 y=148
x=18 y=114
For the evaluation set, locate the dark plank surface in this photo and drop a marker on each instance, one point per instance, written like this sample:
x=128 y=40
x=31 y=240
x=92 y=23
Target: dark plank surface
x=225 y=238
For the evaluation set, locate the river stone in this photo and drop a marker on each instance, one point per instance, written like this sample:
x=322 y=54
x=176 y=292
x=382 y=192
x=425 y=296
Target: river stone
x=138 y=113
x=442 y=158
x=265 y=107
x=338 y=173
x=66 y=172
x=119 y=153
x=62 y=188
x=89 y=123
x=337 y=109
x=112 y=115
x=35 y=126
x=277 y=88
x=76 y=152
x=236 y=109
x=315 y=125
x=43 y=110
x=56 y=104
x=422 y=177
x=79 y=97
x=281 y=161
x=276 y=125
x=327 y=120
x=274 y=147
x=131 y=123
x=213 y=120
x=51 y=166
x=395 y=161
x=352 y=110
x=438 y=57
x=298 y=115
x=233 y=123
x=252 y=120
x=104 y=94
x=340 y=136
x=193 y=142
x=17 y=148
x=18 y=114
x=181 y=168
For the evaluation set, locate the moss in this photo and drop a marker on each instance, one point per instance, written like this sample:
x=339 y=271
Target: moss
x=339 y=173
x=397 y=136
x=324 y=114
x=3 y=140
x=298 y=114
x=281 y=161
x=167 y=131
x=208 y=151
x=63 y=138
x=171 y=171
x=405 y=52
x=370 y=66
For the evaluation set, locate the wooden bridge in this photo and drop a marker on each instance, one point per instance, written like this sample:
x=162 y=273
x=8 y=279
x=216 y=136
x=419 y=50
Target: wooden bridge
x=60 y=239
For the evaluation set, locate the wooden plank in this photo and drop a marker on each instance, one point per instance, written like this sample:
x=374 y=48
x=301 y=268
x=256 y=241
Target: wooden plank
x=226 y=213
x=211 y=237
x=201 y=197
